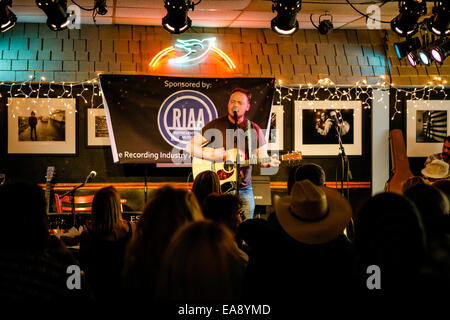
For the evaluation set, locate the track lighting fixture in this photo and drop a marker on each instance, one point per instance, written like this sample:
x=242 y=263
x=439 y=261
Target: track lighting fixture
x=56 y=11
x=176 y=20
x=413 y=58
x=405 y=24
x=441 y=50
x=439 y=23
x=7 y=18
x=285 y=23
x=403 y=48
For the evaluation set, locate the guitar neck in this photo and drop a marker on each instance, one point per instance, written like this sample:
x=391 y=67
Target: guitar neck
x=47 y=196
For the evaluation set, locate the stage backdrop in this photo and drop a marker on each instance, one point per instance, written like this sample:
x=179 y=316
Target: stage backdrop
x=152 y=118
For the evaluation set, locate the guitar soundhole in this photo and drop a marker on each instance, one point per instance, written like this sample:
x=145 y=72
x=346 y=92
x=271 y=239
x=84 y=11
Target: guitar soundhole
x=228 y=166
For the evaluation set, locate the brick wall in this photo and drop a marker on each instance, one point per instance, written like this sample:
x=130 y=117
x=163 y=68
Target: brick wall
x=345 y=56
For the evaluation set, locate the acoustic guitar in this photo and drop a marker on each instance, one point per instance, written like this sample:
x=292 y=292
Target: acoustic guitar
x=400 y=163
x=227 y=170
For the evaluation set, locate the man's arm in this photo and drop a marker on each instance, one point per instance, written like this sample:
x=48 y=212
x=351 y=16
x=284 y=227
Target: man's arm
x=261 y=153
x=195 y=148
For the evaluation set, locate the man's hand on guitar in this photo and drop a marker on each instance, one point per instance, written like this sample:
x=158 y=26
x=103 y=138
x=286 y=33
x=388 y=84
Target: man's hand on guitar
x=274 y=162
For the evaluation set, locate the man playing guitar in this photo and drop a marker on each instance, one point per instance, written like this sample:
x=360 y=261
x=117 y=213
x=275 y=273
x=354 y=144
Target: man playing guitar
x=219 y=138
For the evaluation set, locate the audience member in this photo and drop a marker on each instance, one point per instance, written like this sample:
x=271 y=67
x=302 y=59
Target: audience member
x=226 y=209
x=444 y=186
x=204 y=184
x=201 y=264
x=167 y=210
x=389 y=235
x=412 y=181
x=306 y=253
x=310 y=171
x=102 y=246
x=33 y=264
x=432 y=205
x=436 y=170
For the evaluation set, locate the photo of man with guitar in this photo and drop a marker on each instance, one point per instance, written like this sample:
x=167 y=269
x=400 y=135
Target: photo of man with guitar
x=227 y=148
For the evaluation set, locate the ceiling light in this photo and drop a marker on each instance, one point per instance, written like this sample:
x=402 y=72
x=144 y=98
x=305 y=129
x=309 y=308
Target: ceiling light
x=440 y=52
x=326 y=24
x=403 y=48
x=405 y=24
x=7 y=18
x=176 y=19
x=425 y=57
x=413 y=58
x=100 y=7
x=285 y=22
x=439 y=22
x=56 y=11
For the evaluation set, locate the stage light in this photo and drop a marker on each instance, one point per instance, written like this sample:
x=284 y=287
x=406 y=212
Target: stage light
x=56 y=11
x=100 y=7
x=439 y=23
x=405 y=24
x=326 y=24
x=7 y=18
x=440 y=51
x=413 y=58
x=425 y=57
x=403 y=48
x=176 y=19
x=285 y=23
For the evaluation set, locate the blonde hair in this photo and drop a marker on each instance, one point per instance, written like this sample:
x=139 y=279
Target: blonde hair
x=106 y=210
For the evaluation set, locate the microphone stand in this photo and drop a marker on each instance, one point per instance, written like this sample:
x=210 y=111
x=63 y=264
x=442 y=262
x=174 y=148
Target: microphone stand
x=345 y=172
x=71 y=193
x=238 y=165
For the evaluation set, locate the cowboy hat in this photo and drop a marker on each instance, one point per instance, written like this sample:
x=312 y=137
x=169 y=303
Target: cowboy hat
x=437 y=169
x=313 y=214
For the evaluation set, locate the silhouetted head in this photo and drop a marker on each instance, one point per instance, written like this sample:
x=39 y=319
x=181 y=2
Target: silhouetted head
x=310 y=171
x=412 y=181
x=444 y=186
x=389 y=234
x=106 y=210
x=204 y=184
x=224 y=209
x=24 y=217
x=201 y=263
x=432 y=205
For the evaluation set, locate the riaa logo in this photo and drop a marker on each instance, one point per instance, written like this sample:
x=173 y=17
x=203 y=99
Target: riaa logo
x=182 y=114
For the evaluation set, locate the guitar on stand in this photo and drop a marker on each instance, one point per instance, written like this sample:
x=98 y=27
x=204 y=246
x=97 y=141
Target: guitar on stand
x=48 y=179
x=227 y=170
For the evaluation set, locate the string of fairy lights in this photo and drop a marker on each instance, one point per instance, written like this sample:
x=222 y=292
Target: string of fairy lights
x=324 y=90
x=33 y=90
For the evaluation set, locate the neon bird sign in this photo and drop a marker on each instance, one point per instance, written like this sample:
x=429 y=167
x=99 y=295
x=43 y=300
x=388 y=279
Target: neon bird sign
x=194 y=51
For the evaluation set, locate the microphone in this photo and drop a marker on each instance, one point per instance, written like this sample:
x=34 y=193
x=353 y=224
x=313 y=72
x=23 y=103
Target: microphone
x=90 y=176
x=235 y=113
x=334 y=114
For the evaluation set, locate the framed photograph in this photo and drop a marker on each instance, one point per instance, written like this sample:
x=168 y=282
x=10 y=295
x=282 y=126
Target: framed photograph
x=41 y=126
x=97 y=128
x=317 y=123
x=427 y=125
x=276 y=134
